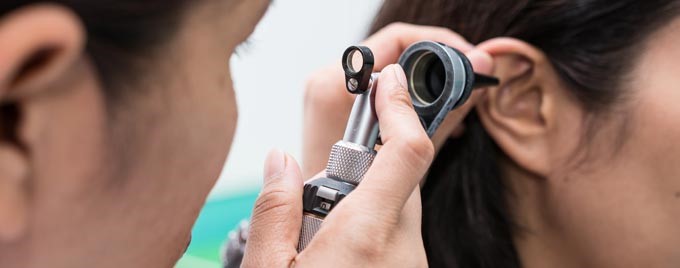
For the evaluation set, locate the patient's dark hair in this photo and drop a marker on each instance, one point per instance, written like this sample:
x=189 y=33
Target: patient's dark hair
x=592 y=44
x=121 y=34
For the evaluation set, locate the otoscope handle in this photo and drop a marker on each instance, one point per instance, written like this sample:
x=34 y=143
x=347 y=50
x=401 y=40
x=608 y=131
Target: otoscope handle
x=310 y=225
x=347 y=164
x=349 y=160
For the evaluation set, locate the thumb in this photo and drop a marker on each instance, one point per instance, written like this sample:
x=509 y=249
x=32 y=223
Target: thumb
x=277 y=215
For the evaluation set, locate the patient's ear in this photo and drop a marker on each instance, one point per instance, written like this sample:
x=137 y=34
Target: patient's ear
x=13 y=195
x=521 y=113
x=38 y=47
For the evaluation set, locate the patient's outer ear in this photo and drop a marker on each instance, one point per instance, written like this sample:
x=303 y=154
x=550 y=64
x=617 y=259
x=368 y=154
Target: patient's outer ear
x=39 y=45
x=13 y=195
x=521 y=114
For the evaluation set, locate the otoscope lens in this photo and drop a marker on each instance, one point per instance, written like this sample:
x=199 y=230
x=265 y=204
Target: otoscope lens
x=428 y=77
x=436 y=77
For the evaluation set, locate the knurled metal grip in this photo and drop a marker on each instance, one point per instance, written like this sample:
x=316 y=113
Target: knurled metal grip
x=349 y=162
x=347 y=165
x=310 y=225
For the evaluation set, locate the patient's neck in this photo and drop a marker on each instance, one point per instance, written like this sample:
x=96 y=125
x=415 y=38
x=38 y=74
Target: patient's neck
x=537 y=243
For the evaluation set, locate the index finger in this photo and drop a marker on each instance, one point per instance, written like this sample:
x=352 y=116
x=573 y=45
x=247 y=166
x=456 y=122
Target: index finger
x=406 y=152
x=389 y=42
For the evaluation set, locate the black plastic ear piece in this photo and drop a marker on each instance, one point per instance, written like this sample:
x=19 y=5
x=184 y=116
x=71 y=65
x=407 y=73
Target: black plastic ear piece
x=357 y=61
x=483 y=81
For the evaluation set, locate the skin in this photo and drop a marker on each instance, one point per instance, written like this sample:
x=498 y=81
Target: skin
x=82 y=187
x=87 y=182
x=602 y=205
x=620 y=207
x=373 y=226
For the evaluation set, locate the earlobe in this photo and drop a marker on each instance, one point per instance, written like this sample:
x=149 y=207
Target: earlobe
x=13 y=193
x=38 y=44
x=39 y=48
x=518 y=113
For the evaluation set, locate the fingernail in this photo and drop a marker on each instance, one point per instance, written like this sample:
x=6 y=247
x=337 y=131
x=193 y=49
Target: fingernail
x=274 y=165
x=481 y=61
x=399 y=75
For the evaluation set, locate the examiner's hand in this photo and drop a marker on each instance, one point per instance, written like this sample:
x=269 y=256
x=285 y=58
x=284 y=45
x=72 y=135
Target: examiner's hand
x=328 y=104
x=377 y=225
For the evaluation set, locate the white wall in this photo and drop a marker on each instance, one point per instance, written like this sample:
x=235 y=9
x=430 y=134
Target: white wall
x=294 y=38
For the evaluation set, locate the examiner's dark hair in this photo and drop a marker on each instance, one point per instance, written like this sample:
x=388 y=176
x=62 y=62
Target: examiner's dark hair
x=121 y=34
x=592 y=45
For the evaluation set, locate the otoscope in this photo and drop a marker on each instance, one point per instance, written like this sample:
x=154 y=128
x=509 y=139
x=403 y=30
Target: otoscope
x=440 y=79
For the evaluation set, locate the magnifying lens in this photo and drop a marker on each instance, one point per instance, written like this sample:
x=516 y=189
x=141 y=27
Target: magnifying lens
x=440 y=79
x=357 y=61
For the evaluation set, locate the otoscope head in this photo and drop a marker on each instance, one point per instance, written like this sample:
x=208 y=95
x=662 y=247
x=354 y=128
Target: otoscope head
x=440 y=79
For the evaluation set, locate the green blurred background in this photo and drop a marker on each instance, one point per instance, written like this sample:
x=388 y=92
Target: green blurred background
x=219 y=216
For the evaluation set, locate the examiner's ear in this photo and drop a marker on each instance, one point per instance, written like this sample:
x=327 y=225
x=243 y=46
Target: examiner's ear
x=521 y=111
x=38 y=46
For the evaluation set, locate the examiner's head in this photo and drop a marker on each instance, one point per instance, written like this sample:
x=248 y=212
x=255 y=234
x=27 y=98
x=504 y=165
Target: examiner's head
x=573 y=160
x=115 y=120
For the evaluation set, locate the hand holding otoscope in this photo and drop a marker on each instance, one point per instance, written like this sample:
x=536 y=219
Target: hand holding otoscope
x=379 y=224
x=440 y=79
x=369 y=227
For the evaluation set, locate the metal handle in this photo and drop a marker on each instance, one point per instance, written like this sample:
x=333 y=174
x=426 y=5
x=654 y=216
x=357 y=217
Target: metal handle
x=349 y=160
x=310 y=225
x=347 y=165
